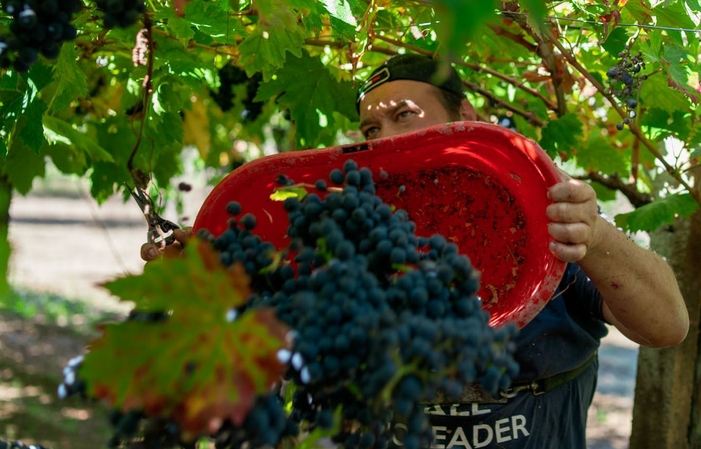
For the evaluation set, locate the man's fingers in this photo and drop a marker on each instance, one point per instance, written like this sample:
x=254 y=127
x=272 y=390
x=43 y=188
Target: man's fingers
x=149 y=252
x=570 y=233
x=573 y=191
x=568 y=253
x=568 y=213
x=182 y=235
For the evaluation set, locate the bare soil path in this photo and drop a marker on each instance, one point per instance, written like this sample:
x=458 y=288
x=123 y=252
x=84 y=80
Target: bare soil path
x=66 y=245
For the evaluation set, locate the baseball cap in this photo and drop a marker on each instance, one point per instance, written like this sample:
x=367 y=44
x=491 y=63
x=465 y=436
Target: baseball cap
x=411 y=67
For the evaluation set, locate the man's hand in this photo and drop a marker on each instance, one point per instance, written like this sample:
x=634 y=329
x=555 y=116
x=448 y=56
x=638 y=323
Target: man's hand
x=152 y=251
x=574 y=217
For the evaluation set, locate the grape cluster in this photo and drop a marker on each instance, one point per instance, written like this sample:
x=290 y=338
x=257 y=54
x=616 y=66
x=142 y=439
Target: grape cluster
x=384 y=321
x=120 y=13
x=265 y=425
x=252 y=109
x=238 y=244
x=38 y=26
x=231 y=76
x=371 y=298
x=624 y=83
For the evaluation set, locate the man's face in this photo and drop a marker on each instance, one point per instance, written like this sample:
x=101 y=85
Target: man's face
x=399 y=107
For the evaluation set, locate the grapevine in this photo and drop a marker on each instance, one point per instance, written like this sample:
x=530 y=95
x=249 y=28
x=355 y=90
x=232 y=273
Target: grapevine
x=625 y=80
x=38 y=27
x=383 y=322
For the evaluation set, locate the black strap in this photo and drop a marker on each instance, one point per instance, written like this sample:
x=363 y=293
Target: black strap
x=541 y=386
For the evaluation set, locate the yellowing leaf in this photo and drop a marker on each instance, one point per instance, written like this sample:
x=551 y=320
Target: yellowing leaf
x=202 y=363
x=196 y=128
x=196 y=372
x=196 y=284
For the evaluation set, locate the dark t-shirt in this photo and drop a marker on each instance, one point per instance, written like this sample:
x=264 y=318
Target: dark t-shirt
x=563 y=336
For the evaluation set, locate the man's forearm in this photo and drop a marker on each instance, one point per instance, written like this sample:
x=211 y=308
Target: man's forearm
x=641 y=295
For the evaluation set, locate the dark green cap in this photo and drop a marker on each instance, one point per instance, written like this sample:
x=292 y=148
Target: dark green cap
x=411 y=67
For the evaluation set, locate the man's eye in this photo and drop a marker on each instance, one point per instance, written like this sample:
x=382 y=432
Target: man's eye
x=369 y=132
x=405 y=114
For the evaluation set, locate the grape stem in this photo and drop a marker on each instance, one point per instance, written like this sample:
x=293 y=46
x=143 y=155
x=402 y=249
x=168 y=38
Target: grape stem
x=145 y=99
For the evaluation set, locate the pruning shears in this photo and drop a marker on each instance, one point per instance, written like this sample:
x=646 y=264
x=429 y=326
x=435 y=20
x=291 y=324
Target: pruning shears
x=160 y=230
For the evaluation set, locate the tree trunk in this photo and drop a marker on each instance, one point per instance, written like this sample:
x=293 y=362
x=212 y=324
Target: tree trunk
x=667 y=409
x=5 y=199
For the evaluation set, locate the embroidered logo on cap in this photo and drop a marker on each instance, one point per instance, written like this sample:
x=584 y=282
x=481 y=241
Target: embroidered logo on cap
x=380 y=77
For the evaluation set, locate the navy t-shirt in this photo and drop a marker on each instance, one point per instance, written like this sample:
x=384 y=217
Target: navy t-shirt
x=563 y=336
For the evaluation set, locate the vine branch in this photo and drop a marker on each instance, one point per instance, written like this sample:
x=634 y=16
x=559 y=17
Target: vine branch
x=614 y=182
x=141 y=179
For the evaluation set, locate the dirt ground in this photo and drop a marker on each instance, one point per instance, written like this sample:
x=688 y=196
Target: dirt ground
x=65 y=244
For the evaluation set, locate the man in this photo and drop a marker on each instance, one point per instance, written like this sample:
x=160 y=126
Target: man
x=609 y=279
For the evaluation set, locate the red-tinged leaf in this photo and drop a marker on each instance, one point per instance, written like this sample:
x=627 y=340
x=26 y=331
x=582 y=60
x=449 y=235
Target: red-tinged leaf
x=196 y=284
x=196 y=371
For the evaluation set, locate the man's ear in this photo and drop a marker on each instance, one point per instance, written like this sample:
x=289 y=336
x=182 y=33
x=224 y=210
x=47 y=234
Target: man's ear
x=467 y=111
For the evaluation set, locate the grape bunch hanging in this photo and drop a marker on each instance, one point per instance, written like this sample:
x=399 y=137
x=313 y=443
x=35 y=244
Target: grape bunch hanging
x=120 y=13
x=38 y=27
x=383 y=322
x=231 y=76
x=625 y=80
x=42 y=26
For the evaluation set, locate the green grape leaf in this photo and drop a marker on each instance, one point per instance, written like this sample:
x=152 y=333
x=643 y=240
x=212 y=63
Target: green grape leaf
x=599 y=155
x=561 y=135
x=67 y=158
x=38 y=77
x=71 y=81
x=75 y=138
x=22 y=165
x=616 y=41
x=342 y=19
x=312 y=94
x=655 y=93
x=118 y=139
x=211 y=22
x=182 y=29
x=29 y=124
x=660 y=212
x=673 y=15
x=459 y=21
x=201 y=364
x=278 y=32
x=680 y=68
x=677 y=124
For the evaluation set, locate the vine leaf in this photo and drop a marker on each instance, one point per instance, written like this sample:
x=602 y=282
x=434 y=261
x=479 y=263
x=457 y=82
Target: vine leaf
x=660 y=212
x=70 y=80
x=597 y=154
x=277 y=33
x=312 y=94
x=562 y=135
x=196 y=284
x=198 y=365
